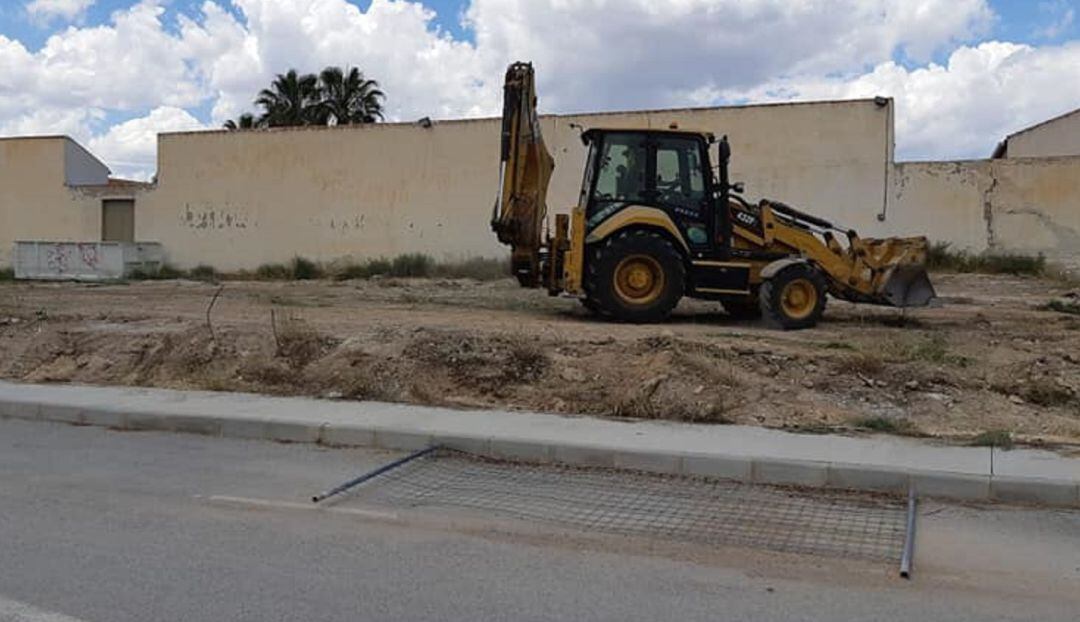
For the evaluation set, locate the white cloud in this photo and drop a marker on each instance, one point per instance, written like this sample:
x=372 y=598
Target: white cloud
x=962 y=108
x=130 y=148
x=590 y=54
x=132 y=63
x=424 y=71
x=46 y=10
x=72 y=122
x=618 y=53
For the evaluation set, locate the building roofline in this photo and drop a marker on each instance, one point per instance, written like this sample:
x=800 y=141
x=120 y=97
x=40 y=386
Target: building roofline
x=317 y=128
x=89 y=154
x=37 y=137
x=993 y=161
x=63 y=137
x=1042 y=123
x=814 y=102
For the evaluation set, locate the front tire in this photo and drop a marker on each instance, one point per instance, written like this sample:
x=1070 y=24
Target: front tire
x=794 y=297
x=635 y=276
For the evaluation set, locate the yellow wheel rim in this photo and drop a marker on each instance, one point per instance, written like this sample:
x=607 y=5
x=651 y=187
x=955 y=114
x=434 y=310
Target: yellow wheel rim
x=799 y=299
x=639 y=279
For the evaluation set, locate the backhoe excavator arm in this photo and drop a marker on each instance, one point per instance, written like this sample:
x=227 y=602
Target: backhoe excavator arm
x=524 y=174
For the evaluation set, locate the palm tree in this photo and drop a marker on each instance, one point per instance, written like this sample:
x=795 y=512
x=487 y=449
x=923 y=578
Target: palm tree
x=245 y=121
x=289 y=101
x=347 y=97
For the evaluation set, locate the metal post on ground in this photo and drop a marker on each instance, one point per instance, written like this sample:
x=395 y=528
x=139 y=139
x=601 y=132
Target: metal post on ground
x=909 y=539
x=373 y=474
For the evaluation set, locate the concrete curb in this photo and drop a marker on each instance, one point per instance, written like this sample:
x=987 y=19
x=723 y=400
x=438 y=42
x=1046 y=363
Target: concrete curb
x=753 y=469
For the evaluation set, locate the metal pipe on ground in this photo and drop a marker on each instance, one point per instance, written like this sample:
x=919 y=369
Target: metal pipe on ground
x=373 y=474
x=909 y=539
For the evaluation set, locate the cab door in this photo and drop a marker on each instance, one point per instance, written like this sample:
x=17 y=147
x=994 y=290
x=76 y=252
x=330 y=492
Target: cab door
x=681 y=188
x=684 y=188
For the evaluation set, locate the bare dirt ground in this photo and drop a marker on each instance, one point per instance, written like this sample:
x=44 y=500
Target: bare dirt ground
x=990 y=359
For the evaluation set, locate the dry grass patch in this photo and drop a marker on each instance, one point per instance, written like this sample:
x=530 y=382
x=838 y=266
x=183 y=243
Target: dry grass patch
x=299 y=342
x=865 y=363
x=888 y=425
x=942 y=257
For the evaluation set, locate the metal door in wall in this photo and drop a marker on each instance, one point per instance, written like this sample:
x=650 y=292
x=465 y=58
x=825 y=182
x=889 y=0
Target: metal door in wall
x=118 y=220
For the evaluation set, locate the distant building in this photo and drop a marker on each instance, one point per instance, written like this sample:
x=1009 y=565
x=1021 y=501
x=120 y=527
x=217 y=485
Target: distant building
x=1059 y=136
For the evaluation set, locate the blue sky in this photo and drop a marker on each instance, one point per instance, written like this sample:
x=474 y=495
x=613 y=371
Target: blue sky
x=1023 y=21
x=1028 y=21
x=963 y=72
x=15 y=23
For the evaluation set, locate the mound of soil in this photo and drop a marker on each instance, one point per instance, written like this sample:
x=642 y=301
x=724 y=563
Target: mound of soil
x=995 y=357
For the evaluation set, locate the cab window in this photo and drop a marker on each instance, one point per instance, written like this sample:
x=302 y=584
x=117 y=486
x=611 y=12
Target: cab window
x=590 y=168
x=680 y=180
x=621 y=174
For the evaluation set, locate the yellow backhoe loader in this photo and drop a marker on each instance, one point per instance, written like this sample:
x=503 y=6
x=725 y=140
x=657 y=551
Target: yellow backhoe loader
x=654 y=224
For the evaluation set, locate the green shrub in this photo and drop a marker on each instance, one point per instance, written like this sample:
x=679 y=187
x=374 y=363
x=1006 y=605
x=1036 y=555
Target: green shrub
x=1011 y=263
x=273 y=272
x=379 y=267
x=163 y=273
x=942 y=257
x=479 y=268
x=420 y=265
x=305 y=269
x=888 y=425
x=932 y=350
x=994 y=438
x=203 y=272
x=7 y=274
x=352 y=271
x=168 y=271
x=412 y=265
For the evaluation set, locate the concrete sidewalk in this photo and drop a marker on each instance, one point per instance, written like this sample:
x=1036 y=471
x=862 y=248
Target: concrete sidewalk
x=879 y=463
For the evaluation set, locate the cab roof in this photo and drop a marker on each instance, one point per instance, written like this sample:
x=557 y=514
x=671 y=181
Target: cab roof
x=592 y=132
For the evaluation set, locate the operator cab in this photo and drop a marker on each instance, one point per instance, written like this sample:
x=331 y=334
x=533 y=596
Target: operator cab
x=668 y=170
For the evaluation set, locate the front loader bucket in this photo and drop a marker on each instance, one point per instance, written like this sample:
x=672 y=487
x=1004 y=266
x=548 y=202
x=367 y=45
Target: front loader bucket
x=908 y=285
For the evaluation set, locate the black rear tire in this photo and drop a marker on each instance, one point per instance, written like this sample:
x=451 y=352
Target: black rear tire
x=635 y=276
x=794 y=298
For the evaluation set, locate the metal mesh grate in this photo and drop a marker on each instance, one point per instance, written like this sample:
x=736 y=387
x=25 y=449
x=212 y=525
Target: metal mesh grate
x=697 y=510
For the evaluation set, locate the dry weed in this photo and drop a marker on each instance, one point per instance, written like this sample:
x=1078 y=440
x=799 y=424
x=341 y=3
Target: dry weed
x=299 y=342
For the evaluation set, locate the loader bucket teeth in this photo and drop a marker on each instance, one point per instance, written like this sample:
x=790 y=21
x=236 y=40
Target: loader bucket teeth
x=908 y=286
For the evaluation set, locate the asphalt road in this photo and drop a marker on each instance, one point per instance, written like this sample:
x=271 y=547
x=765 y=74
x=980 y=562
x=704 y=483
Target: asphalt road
x=98 y=525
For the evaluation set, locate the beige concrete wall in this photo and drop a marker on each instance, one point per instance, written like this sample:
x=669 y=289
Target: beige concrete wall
x=239 y=199
x=1035 y=207
x=941 y=200
x=35 y=203
x=1056 y=137
x=236 y=200
x=1025 y=205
